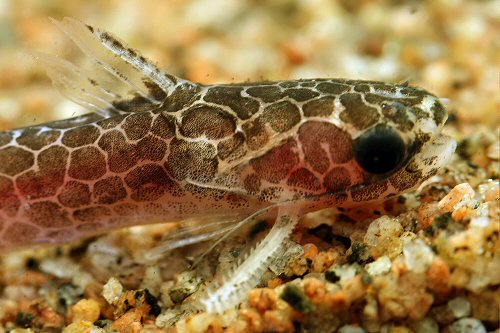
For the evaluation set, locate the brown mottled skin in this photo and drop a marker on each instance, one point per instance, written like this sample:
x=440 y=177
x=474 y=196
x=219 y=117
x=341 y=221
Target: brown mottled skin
x=221 y=150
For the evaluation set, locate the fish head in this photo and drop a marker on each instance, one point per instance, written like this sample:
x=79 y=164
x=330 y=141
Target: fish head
x=396 y=140
x=350 y=143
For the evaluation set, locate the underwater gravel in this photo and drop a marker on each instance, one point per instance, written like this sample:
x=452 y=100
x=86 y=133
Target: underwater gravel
x=429 y=262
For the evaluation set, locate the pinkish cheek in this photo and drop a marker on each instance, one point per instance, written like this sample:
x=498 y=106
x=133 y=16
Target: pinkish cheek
x=324 y=145
x=337 y=179
x=276 y=164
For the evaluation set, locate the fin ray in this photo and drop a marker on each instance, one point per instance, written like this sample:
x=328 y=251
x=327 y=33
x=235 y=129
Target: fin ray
x=84 y=37
x=74 y=84
x=190 y=235
x=219 y=296
x=118 y=73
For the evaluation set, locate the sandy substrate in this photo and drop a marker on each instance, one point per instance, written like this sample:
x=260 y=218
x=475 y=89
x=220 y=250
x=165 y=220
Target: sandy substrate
x=429 y=262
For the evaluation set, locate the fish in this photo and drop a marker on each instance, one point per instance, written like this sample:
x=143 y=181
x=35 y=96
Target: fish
x=158 y=148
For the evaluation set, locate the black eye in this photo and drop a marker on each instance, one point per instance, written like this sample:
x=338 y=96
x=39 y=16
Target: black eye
x=379 y=150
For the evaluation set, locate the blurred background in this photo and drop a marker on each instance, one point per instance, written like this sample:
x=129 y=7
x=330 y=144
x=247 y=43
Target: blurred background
x=449 y=47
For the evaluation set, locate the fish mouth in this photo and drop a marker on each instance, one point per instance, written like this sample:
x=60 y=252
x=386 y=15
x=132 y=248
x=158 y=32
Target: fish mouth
x=434 y=154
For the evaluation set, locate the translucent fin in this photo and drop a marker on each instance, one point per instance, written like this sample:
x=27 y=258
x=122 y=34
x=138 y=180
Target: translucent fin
x=113 y=55
x=190 y=235
x=218 y=297
x=118 y=73
x=233 y=228
x=75 y=84
x=219 y=230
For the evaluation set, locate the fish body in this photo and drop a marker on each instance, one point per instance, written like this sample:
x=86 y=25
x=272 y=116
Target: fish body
x=159 y=148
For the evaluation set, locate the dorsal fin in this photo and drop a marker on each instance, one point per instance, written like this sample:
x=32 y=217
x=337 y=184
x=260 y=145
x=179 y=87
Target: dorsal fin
x=119 y=72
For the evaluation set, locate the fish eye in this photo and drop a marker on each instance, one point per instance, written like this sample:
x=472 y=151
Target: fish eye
x=379 y=150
